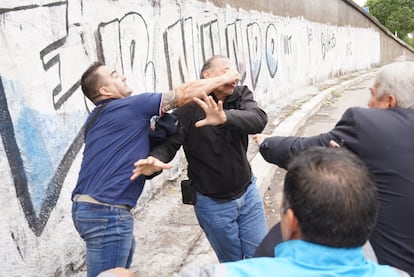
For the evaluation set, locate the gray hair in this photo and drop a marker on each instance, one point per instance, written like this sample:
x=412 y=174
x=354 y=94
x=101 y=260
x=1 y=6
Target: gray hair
x=397 y=79
x=209 y=63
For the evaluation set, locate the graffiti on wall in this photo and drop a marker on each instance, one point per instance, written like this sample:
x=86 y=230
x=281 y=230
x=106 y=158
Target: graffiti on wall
x=42 y=108
x=328 y=42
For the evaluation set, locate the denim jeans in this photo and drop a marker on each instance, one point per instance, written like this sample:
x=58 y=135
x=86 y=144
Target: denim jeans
x=108 y=233
x=234 y=228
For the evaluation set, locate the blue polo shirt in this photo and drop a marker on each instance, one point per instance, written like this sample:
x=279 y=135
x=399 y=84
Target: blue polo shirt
x=301 y=258
x=118 y=138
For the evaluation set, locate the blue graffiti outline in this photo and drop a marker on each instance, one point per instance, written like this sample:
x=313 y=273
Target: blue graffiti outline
x=38 y=222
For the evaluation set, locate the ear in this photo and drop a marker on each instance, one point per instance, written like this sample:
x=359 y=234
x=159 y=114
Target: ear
x=206 y=74
x=104 y=91
x=292 y=228
x=392 y=101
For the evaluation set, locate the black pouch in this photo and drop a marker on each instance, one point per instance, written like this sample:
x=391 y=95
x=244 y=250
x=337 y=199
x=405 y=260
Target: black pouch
x=188 y=192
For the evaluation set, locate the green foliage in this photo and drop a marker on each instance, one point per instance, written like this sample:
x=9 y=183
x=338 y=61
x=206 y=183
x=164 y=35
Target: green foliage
x=396 y=15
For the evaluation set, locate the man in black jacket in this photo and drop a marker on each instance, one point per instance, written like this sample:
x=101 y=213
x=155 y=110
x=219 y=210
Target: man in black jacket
x=229 y=207
x=383 y=137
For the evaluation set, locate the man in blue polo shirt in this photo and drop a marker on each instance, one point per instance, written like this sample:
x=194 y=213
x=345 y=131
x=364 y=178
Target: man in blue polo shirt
x=329 y=209
x=116 y=135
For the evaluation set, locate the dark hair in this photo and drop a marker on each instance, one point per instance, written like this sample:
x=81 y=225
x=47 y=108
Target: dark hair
x=332 y=195
x=207 y=64
x=90 y=81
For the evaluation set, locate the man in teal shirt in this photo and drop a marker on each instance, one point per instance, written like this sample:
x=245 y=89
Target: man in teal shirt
x=328 y=212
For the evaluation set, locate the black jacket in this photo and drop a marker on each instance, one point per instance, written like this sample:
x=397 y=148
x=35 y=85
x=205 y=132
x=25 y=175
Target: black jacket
x=216 y=155
x=384 y=140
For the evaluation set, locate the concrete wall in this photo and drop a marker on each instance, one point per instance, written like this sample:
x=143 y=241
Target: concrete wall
x=334 y=12
x=45 y=45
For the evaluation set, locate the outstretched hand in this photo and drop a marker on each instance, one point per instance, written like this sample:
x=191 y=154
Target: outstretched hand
x=215 y=114
x=148 y=166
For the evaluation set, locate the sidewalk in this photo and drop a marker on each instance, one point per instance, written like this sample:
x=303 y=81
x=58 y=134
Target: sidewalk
x=167 y=233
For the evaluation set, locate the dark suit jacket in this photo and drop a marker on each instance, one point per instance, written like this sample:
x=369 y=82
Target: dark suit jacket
x=384 y=140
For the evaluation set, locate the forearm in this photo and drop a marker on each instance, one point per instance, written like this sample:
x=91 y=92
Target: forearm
x=167 y=150
x=164 y=153
x=185 y=93
x=248 y=118
x=249 y=122
x=169 y=101
x=278 y=150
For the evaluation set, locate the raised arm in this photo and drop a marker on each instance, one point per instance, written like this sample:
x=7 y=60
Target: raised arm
x=186 y=92
x=247 y=118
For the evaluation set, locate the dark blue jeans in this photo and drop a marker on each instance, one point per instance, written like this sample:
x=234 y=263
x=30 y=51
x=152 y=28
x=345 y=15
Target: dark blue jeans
x=108 y=233
x=234 y=228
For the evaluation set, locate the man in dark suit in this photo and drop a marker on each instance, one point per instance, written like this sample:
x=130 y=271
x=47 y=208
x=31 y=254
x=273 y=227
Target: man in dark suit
x=383 y=137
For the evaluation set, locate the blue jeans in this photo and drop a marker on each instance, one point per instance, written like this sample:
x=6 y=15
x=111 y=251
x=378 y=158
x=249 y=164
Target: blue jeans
x=234 y=228
x=108 y=233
